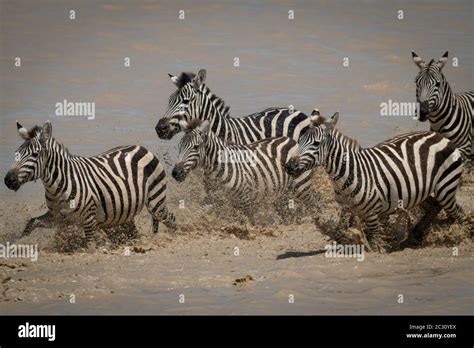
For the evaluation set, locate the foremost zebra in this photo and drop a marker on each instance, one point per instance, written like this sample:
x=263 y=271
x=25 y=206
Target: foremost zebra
x=450 y=114
x=399 y=173
x=194 y=100
x=250 y=174
x=102 y=191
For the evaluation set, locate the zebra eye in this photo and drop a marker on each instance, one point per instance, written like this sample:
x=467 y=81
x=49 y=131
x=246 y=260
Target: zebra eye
x=316 y=143
x=185 y=100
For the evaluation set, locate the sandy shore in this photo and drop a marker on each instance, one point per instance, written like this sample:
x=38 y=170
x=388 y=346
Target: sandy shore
x=214 y=266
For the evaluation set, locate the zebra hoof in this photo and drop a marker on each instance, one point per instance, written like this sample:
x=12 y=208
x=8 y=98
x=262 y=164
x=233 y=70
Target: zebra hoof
x=379 y=244
x=411 y=243
x=91 y=248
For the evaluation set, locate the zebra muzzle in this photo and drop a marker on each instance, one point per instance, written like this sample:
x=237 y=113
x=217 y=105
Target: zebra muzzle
x=292 y=167
x=12 y=182
x=178 y=173
x=424 y=111
x=163 y=130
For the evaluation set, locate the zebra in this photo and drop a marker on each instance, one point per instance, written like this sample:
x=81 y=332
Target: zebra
x=103 y=191
x=450 y=114
x=249 y=174
x=194 y=100
x=399 y=173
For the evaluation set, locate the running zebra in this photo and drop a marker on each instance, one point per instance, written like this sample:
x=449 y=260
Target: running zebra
x=250 y=174
x=399 y=173
x=194 y=100
x=103 y=191
x=450 y=114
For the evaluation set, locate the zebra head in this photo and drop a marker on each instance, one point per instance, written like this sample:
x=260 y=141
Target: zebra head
x=191 y=148
x=430 y=84
x=313 y=145
x=183 y=104
x=30 y=156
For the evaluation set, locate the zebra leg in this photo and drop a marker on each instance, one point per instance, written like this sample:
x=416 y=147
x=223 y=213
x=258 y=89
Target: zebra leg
x=165 y=217
x=302 y=186
x=209 y=188
x=45 y=221
x=285 y=209
x=89 y=229
x=445 y=195
x=156 y=225
x=374 y=236
x=156 y=205
x=415 y=236
x=346 y=219
x=245 y=203
x=452 y=208
x=90 y=225
x=132 y=230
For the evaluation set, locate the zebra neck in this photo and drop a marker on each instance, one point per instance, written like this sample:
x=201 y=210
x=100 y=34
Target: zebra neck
x=215 y=148
x=342 y=158
x=446 y=103
x=57 y=168
x=213 y=108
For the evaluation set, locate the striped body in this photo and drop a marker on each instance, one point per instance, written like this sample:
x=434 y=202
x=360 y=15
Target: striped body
x=251 y=174
x=194 y=101
x=95 y=192
x=450 y=114
x=399 y=173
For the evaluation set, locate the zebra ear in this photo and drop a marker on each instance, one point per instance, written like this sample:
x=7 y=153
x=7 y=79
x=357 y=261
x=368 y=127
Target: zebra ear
x=174 y=79
x=332 y=121
x=440 y=63
x=22 y=131
x=420 y=63
x=316 y=118
x=47 y=132
x=199 y=79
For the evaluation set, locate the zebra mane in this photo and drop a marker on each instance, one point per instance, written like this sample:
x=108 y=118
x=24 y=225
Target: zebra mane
x=318 y=121
x=346 y=140
x=219 y=103
x=193 y=124
x=33 y=132
x=185 y=78
x=36 y=130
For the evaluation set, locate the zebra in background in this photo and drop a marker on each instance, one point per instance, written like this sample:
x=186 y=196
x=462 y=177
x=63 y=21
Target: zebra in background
x=194 y=100
x=399 y=173
x=97 y=192
x=450 y=114
x=250 y=174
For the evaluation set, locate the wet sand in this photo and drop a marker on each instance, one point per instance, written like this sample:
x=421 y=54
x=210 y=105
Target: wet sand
x=275 y=263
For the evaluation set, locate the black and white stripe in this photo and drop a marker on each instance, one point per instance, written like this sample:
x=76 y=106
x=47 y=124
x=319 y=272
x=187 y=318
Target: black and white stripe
x=250 y=174
x=450 y=114
x=102 y=191
x=400 y=173
x=194 y=100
